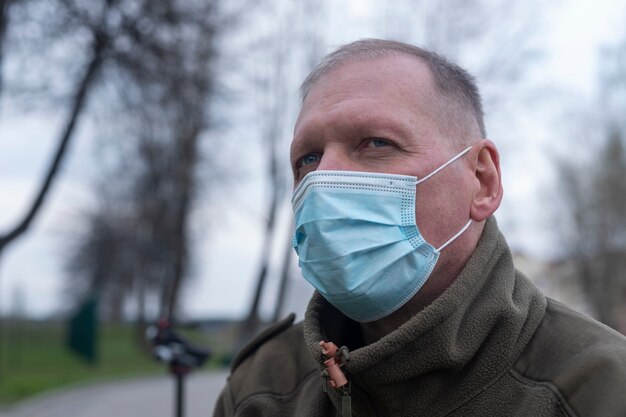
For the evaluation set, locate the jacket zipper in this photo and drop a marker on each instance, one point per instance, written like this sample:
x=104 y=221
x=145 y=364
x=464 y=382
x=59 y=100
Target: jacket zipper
x=335 y=361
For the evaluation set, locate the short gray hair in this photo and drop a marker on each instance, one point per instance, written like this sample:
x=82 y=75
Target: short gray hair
x=451 y=81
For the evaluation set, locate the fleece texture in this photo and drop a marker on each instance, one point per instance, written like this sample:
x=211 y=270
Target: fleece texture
x=490 y=345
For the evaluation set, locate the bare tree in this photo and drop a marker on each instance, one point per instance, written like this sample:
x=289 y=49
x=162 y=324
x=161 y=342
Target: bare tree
x=101 y=259
x=595 y=197
x=594 y=232
x=311 y=13
x=272 y=112
x=82 y=88
x=492 y=38
x=136 y=40
x=164 y=84
x=286 y=47
x=182 y=116
x=4 y=22
x=77 y=104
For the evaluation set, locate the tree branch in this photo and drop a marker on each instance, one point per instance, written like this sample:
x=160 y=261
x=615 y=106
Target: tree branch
x=77 y=108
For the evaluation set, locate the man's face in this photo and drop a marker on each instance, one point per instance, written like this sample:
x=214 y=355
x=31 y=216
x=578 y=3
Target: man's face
x=379 y=115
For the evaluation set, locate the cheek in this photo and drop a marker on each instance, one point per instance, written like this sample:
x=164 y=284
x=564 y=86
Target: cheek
x=440 y=210
x=431 y=212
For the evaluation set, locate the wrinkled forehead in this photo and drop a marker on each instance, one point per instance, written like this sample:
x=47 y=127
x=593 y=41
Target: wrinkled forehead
x=338 y=59
x=404 y=77
x=398 y=78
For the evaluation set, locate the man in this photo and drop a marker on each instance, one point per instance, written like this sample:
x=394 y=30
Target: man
x=395 y=187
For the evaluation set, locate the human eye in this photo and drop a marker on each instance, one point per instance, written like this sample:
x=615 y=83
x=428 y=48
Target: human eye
x=377 y=143
x=308 y=159
x=306 y=164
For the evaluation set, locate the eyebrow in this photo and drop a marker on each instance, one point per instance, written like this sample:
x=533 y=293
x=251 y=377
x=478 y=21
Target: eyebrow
x=372 y=125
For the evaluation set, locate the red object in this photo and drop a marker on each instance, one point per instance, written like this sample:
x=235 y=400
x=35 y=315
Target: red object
x=336 y=377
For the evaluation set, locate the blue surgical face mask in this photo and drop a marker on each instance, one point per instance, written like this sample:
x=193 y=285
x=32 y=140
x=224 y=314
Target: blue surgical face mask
x=357 y=240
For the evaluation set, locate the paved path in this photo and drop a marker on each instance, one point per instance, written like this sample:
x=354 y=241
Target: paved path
x=138 y=397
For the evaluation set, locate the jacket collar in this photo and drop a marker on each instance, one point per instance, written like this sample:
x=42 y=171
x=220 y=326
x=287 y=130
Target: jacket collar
x=450 y=350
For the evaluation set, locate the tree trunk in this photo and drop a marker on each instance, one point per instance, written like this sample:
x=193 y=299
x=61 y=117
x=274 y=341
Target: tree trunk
x=253 y=314
x=184 y=174
x=272 y=135
x=4 y=23
x=77 y=108
x=140 y=320
x=284 y=277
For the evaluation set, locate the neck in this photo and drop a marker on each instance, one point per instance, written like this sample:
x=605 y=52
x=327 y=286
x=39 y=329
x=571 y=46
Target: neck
x=376 y=330
x=442 y=277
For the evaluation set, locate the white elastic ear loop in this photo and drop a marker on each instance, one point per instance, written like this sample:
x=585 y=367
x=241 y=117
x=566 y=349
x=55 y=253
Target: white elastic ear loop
x=453 y=238
x=466 y=150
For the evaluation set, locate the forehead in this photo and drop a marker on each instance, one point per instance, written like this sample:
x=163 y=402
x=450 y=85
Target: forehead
x=375 y=88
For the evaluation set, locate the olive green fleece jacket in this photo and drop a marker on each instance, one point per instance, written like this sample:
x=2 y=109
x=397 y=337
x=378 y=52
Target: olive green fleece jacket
x=490 y=345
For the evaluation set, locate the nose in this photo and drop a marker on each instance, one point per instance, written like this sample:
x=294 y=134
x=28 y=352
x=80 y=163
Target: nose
x=334 y=159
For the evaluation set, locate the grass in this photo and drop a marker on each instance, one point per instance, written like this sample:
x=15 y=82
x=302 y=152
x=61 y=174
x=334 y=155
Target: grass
x=34 y=358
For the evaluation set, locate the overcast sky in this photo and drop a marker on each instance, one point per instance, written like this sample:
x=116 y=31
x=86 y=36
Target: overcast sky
x=30 y=270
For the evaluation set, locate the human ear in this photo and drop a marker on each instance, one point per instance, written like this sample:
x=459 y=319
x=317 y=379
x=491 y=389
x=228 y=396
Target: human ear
x=488 y=195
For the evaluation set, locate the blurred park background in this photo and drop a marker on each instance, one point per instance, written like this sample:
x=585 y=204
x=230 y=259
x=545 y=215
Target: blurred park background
x=144 y=162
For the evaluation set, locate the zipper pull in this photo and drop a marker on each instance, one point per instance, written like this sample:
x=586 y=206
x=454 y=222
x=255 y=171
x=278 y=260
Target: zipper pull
x=336 y=377
x=334 y=359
